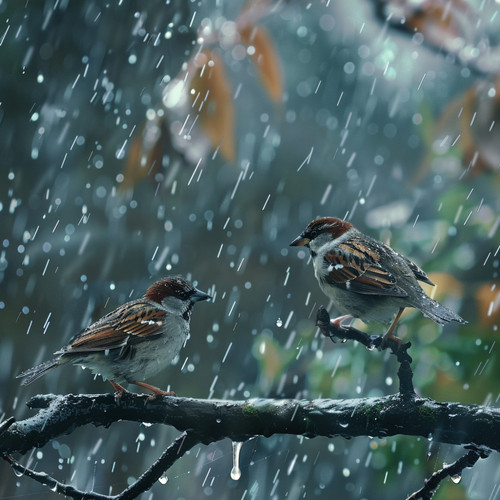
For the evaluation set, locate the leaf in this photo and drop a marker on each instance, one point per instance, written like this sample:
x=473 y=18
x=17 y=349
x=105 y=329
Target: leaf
x=212 y=100
x=265 y=59
x=437 y=23
x=145 y=154
x=446 y=286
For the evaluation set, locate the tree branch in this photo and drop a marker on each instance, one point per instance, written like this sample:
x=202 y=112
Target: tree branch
x=453 y=470
x=206 y=421
x=329 y=329
x=175 y=451
x=213 y=420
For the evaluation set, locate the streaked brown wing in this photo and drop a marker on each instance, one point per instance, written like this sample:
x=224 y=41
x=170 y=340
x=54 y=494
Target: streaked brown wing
x=419 y=273
x=354 y=268
x=134 y=322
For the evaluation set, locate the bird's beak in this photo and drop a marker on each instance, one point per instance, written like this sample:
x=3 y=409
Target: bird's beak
x=300 y=241
x=198 y=295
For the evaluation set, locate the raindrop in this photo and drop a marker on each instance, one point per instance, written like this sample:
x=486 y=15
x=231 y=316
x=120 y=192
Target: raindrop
x=235 y=471
x=279 y=323
x=163 y=479
x=456 y=478
x=18 y=473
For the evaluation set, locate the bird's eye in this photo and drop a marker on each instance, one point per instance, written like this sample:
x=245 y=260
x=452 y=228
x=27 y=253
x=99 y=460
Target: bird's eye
x=313 y=234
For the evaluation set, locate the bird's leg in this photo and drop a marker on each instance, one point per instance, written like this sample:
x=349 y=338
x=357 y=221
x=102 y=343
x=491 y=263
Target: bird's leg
x=155 y=390
x=337 y=322
x=120 y=391
x=389 y=335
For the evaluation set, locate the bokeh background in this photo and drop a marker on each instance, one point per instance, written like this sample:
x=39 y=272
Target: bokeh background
x=384 y=113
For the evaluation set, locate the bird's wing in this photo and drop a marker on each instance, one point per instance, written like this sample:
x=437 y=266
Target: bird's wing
x=131 y=323
x=353 y=265
x=420 y=274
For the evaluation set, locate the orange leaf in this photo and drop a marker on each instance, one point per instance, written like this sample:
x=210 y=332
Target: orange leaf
x=488 y=303
x=265 y=58
x=446 y=286
x=212 y=99
x=145 y=154
x=441 y=22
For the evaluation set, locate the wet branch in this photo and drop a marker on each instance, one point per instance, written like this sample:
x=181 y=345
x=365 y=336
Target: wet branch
x=330 y=330
x=405 y=374
x=207 y=421
x=213 y=420
x=452 y=470
x=175 y=451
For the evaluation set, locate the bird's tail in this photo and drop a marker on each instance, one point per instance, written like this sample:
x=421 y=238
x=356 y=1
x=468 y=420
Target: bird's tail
x=37 y=371
x=440 y=314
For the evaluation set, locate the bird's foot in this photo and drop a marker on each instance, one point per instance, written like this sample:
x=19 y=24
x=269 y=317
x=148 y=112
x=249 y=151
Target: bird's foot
x=120 y=391
x=391 y=341
x=155 y=390
x=338 y=322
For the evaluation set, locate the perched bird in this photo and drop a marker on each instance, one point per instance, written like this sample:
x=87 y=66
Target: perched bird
x=366 y=278
x=135 y=341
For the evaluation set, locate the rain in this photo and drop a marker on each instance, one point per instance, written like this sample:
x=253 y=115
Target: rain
x=148 y=139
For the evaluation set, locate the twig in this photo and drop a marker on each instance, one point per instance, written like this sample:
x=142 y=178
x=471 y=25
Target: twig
x=453 y=470
x=176 y=450
x=332 y=331
x=53 y=484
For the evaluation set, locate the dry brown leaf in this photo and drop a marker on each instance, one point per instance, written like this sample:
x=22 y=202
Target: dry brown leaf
x=265 y=59
x=145 y=154
x=488 y=303
x=212 y=99
x=436 y=23
x=470 y=117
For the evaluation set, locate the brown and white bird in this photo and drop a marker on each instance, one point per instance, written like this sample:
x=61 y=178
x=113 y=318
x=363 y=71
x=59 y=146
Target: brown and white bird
x=135 y=341
x=366 y=278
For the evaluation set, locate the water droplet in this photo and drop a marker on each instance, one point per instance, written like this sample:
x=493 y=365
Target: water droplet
x=279 y=323
x=235 y=471
x=456 y=478
x=18 y=473
x=163 y=479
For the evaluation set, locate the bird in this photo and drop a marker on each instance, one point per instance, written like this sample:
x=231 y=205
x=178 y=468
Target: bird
x=366 y=278
x=135 y=341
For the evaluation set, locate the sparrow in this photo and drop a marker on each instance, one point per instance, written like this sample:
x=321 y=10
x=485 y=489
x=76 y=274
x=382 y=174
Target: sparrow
x=135 y=341
x=366 y=278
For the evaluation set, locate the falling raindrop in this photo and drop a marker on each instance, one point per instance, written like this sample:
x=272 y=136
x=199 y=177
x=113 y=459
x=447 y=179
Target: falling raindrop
x=235 y=471
x=279 y=323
